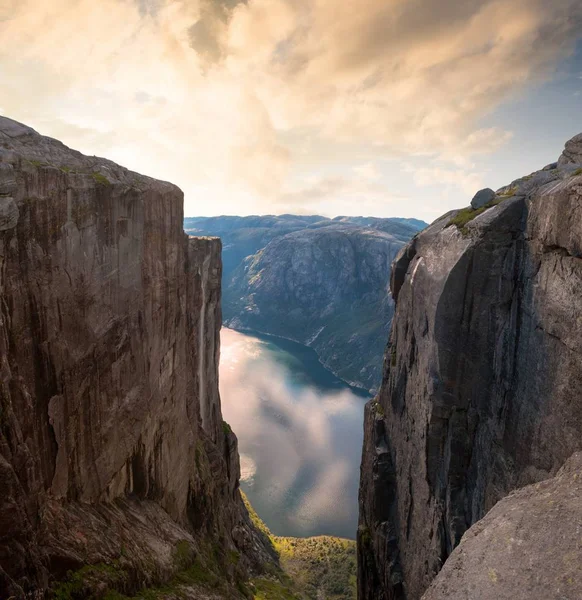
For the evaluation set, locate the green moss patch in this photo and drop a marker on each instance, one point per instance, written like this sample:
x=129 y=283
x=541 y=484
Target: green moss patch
x=466 y=215
x=100 y=179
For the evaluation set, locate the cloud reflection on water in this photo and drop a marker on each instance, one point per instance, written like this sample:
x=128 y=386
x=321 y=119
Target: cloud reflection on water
x=300 y=443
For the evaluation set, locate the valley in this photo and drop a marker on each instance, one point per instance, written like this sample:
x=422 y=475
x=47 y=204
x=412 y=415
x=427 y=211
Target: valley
x=318 y=281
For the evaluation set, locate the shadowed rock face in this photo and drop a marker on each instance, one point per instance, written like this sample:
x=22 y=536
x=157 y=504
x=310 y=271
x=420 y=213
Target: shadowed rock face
x=482 y=388
x=112 y=444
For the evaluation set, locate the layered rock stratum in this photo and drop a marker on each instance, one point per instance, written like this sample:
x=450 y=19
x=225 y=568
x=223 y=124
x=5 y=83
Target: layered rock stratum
x=321 y=282
x=481 y=395
x=116 y=469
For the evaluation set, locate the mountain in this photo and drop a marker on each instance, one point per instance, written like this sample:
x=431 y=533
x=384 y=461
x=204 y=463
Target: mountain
x=322 y=282
x=481 y=395
x=116 y=468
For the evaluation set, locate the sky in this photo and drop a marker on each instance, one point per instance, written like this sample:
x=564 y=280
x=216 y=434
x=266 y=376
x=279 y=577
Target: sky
x=359 y=107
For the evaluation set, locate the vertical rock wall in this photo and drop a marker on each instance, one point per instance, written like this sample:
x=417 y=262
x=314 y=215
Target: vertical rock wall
x=109 y=345
x=482 y=390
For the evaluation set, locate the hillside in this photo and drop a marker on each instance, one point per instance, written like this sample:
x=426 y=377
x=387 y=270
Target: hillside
x=321 y=282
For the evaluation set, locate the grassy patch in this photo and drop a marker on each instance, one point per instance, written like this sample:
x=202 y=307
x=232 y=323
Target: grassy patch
x=226 y=428
x=322 y=566
x=271 y=589
x=78 y=582
x=37 y=163
x=466 y=215
x=577 y=172
x=100 y=179
x=379 y=409
x=311 y=565
x=511 y=191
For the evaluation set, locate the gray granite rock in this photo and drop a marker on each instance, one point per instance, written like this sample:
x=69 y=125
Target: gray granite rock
x=482 y=387
x=572 y=152
x=527 y=546
x=482 y=197
x=112 y=446
x=8 y=213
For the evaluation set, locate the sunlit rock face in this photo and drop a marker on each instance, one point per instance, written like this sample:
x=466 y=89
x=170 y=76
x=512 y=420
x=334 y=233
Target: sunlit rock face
x=112 y=444
x=482 y=388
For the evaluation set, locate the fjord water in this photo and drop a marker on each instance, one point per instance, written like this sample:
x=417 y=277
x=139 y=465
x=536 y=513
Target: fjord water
x=300 y=434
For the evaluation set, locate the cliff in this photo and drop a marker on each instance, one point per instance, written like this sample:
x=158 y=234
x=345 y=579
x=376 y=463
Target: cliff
x=481 y=393
x=321 y=282
x=116 y=469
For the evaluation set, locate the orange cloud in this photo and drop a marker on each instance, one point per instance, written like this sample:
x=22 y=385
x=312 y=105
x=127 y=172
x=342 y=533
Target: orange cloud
x=225 y=97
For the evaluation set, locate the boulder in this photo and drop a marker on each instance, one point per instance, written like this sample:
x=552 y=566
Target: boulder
x=482 y=197
x=527 y=546
x=572 y=153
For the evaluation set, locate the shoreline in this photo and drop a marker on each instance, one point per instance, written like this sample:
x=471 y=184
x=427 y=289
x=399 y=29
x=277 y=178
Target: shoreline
x=351 y=384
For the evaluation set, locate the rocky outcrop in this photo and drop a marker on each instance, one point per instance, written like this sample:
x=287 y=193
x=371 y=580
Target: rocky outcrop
x=321 y=282
x=528 y=546
x=482 y=387
x=113 y=452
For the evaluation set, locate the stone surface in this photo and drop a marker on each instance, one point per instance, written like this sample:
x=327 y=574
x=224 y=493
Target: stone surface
x=527 y=546
x=109 y=342
x=482 y=197
x=482 y=387
x=573 y=152
x=322 y=282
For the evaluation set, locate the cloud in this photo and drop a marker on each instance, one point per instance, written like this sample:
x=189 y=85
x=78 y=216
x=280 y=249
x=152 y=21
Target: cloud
x=466 y=181
x=288 y=435
x=226 y=97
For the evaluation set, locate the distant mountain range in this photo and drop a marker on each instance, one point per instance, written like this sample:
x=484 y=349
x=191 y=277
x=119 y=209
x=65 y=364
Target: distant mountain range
x=322 y=282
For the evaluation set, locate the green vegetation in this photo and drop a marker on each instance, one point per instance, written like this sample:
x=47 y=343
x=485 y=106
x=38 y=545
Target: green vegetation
x=321 y=566
x=79 y=581
x=365 y=536
x=312 y=568
x=100 y=179
x=379 y=408
x=37 y=163
x=509 y=191
x=318 y=564
x=577 y=172
x=466 y=215
x=191 y=572
x=271 y=589
x=226 y=428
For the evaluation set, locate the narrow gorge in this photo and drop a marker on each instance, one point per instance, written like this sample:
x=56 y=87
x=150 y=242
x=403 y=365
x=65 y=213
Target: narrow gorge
x=482 y=395
x=121 y=480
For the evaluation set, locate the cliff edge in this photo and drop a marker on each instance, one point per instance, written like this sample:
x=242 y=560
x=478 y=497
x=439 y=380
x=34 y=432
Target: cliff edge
x=482 y=386
x=116 y=469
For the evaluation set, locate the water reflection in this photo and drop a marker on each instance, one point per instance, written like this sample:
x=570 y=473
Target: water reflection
x=300 y=434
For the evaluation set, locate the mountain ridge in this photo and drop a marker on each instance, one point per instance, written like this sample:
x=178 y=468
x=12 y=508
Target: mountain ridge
x=320 y=282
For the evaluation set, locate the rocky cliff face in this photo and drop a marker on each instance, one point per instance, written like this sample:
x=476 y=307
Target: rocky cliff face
x=322 y=282
x=482 y=387
x=113 y=452
x=325 y=288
